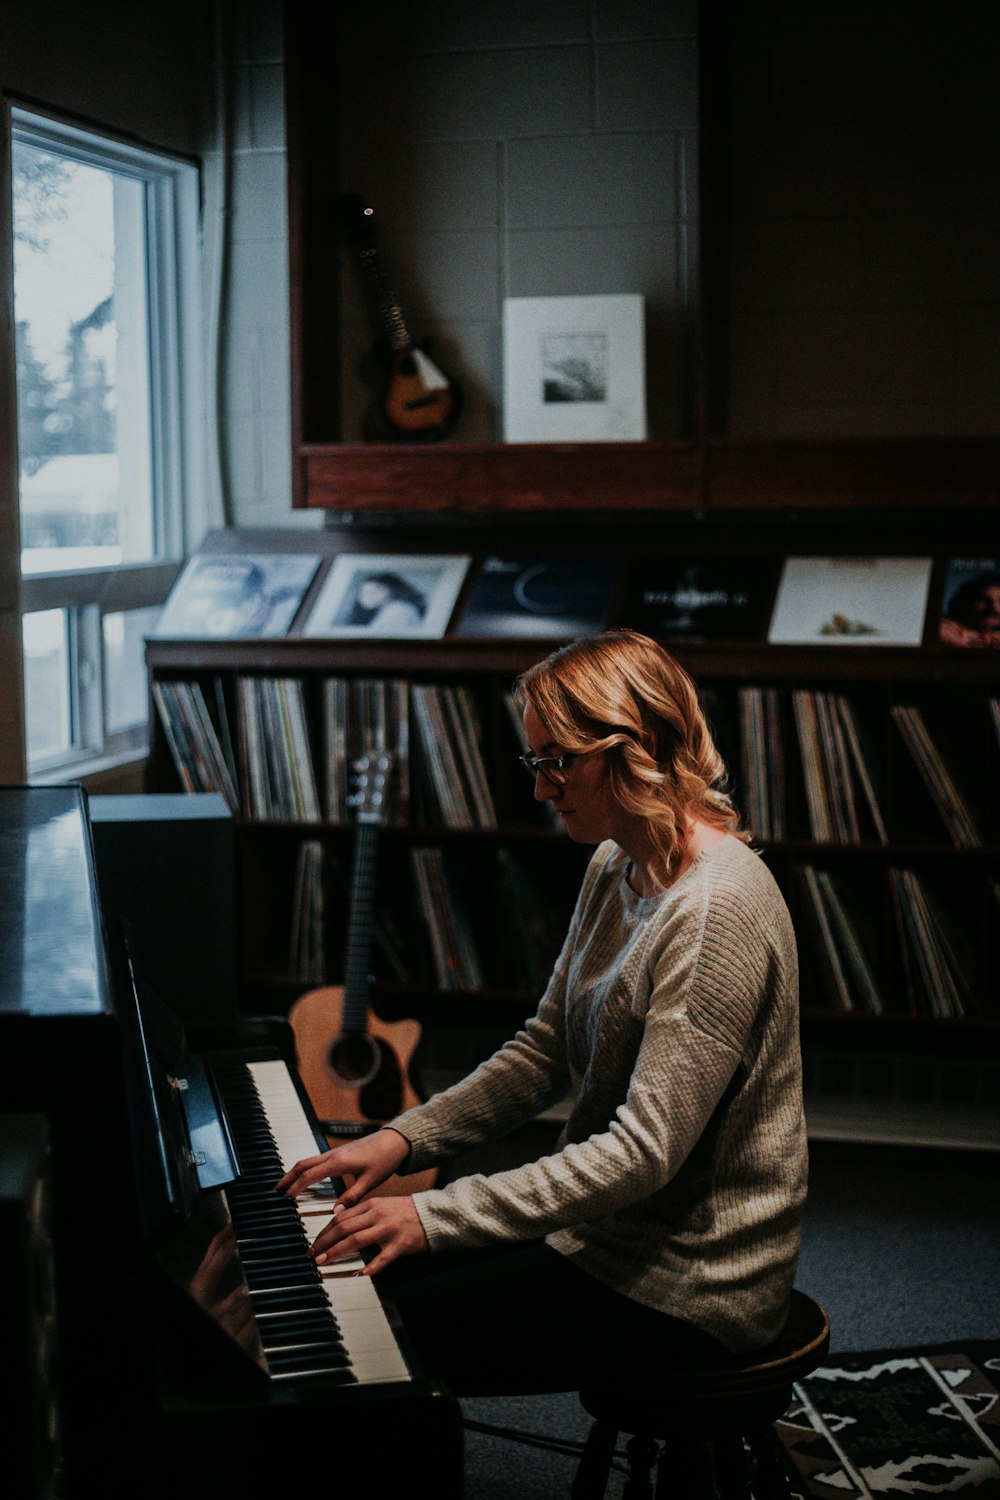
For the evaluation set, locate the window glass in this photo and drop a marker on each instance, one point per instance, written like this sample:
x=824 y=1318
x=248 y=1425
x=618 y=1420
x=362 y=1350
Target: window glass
x=109 y=411
x=83 y=372
x=47 y=684
x=126 y=703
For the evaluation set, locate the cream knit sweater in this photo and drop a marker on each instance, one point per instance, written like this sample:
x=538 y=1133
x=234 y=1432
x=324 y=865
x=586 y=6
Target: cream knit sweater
x=672 y=1022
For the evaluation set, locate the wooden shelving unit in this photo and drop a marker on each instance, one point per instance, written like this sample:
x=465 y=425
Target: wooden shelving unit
x=952 y=686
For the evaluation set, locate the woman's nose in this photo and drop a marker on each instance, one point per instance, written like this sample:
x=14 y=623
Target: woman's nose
x=544 y=788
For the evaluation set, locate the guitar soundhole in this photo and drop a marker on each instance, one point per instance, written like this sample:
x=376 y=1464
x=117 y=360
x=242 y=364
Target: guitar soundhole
x=353 y=1059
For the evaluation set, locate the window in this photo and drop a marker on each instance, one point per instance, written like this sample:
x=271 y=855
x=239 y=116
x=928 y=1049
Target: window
x=105 y=247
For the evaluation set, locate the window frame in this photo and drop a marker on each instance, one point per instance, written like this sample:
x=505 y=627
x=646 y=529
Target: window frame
x=172 y=207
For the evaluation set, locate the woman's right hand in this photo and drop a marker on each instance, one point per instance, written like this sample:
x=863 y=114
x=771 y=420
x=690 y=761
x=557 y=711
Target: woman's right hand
x=369 y=1161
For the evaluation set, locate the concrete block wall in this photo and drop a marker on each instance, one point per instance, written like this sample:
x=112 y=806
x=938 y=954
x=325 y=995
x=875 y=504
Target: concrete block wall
x=548 y=147
x=521 y=148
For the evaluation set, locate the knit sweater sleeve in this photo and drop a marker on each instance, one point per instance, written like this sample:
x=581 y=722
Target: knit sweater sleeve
x=525 y=1076
x=642 y=1106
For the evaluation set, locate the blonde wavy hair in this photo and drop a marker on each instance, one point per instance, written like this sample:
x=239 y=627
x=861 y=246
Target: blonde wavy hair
x=622 y=692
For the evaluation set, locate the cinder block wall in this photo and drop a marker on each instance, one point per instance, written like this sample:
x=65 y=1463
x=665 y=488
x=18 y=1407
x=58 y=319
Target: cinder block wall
x=548 y=147
x=522 y=148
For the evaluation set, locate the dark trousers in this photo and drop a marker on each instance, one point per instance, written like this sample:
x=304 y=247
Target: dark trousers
x=523 y=1320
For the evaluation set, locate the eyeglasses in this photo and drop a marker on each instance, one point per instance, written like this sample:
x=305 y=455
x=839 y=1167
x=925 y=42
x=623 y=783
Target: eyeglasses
x=552 y=767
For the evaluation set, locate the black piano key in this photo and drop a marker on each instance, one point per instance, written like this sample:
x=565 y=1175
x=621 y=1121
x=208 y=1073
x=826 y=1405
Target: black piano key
x=287 y=1297
x=306 y=1359
x=281 y=1327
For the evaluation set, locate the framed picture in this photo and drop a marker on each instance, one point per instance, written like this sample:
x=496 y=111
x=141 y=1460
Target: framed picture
x=237 y=594
x=379 y=594
x=574 y=369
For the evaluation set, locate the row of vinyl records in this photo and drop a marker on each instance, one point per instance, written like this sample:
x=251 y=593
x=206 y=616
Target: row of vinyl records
x=935 y=958
x=448 y=954
x=434 y=737
x=933 y=953
x=842 y=804
x=268 y=772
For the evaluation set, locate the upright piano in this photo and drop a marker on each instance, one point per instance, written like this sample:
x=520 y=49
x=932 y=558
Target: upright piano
x=199 y=1351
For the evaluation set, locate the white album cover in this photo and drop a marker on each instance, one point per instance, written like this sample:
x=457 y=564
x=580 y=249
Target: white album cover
x=851 y=601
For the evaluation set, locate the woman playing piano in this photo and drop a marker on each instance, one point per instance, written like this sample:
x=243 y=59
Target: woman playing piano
x=663 y=1227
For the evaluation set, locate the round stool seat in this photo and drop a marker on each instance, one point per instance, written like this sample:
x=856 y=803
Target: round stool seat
x=717 y=1412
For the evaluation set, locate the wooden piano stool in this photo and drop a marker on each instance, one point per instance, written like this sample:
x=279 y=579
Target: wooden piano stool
x=716 y=1427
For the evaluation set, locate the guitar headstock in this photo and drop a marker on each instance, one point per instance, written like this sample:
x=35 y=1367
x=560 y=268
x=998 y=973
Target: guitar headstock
x=356 y=218
x=372 y=780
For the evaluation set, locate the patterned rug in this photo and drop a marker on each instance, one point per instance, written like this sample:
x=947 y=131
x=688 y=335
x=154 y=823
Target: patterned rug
x=920 y=1422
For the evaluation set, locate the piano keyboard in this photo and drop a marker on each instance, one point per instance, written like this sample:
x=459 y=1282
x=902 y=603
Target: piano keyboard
x=314 y=1321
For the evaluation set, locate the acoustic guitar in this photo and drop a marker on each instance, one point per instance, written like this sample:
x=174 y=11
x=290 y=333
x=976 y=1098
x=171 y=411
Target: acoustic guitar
x=415 y=399
x=356 y=1067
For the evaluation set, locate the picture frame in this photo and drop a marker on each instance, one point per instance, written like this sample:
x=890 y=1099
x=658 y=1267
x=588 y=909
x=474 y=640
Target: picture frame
x=397 y=595
x=574 y=369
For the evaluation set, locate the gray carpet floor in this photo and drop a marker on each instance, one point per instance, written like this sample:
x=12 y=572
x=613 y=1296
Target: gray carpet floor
x=900 y=1245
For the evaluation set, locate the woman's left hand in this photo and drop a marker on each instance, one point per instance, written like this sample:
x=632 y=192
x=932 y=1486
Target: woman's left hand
x=391 y=1223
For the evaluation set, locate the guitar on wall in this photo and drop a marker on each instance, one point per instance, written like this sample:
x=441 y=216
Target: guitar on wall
x=354 y=1066
x=416 y=400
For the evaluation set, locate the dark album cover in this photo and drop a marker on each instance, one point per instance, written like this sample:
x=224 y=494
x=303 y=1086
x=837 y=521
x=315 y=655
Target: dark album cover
x=548 y=596
x=702 y=599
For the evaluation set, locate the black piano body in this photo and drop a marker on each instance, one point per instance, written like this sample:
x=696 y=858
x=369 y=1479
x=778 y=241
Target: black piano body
x=161 y=1382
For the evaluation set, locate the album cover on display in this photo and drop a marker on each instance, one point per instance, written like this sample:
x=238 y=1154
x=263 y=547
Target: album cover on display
x=969 y=607
x=561 y=597
x=850 y=601
x=702 y=599
x=377 y=594
x=237 y=594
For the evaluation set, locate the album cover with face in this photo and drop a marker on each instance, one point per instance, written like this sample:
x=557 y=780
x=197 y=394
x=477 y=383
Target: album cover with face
x=969 y=606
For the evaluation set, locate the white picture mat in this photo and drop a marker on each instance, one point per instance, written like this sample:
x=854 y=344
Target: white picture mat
x=435 y=579
x=885 y=596
x=574 y=369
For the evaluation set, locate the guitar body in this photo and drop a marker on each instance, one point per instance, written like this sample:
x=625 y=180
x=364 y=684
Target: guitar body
x=316 y=1019
x=415 y=400
x=354 y=1066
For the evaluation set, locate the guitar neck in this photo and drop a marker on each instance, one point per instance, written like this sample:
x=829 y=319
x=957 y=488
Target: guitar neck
x=357 y=955
x=386 y=305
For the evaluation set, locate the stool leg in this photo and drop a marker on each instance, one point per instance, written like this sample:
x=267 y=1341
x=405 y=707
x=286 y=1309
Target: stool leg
x=685 y=1471
x=732 y=1476
x=770 y=1479
x=642 y=1452
x=591 y=1477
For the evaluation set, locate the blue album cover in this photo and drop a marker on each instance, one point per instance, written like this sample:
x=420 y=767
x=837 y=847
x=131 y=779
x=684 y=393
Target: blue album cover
x=561 y=597
x=222 y=594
